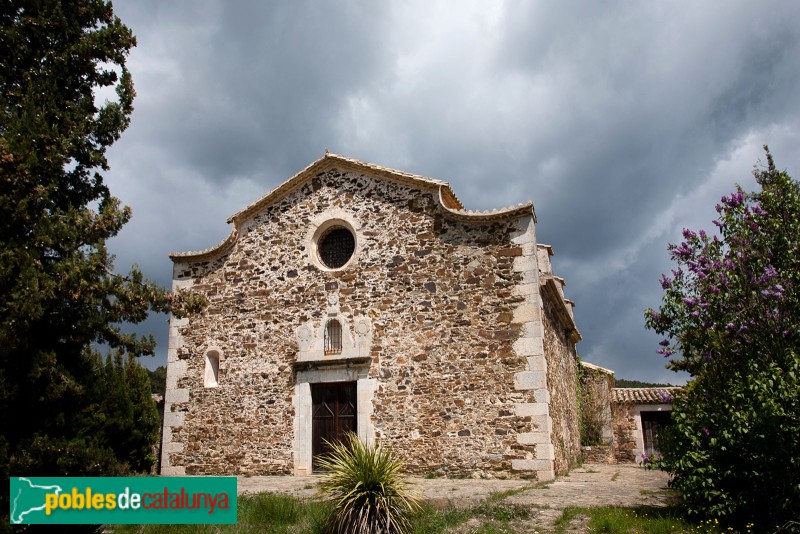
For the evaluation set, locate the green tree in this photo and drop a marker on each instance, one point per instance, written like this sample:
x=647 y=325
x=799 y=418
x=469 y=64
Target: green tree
x=731 y=316
x=158 y=380
x=59 y=294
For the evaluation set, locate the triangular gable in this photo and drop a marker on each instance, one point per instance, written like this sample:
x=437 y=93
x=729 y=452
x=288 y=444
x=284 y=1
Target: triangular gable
x=447 y=198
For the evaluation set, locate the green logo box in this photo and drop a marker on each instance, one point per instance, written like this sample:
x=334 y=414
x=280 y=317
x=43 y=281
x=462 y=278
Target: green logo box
x=123 y=500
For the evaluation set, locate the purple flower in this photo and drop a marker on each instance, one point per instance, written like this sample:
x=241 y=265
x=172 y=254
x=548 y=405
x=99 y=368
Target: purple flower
x=688 y=234
x=684 y=250
x=689 y=301
x=733 y=200
x=666 y=283
x=758 y=210
x=775 y=292
x=664 y=343
x=706 y=431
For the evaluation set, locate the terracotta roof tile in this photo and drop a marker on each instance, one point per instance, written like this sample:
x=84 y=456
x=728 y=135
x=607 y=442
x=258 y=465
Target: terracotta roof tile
x=643 y=395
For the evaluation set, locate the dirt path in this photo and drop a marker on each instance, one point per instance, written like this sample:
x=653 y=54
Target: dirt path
x=622 y=485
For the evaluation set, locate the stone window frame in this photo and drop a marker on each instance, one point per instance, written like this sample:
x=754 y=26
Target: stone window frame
x=333 y=337
x=319 y=227
x=212 y=358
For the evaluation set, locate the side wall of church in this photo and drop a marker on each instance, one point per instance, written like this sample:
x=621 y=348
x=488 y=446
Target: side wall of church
x=563 y=387
x=443 y=302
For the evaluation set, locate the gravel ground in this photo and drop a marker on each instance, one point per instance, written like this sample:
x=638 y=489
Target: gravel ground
x=623 y=485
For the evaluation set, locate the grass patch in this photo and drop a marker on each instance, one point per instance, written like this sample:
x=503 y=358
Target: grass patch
x=500 y=495
x=429 y=520
x=615 y=476
x=501 y=511
x=644 y=520
x=261 y=512
x=283 y=514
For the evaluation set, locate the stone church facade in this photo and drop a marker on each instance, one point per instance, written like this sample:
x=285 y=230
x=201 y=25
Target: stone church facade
x=359 y=298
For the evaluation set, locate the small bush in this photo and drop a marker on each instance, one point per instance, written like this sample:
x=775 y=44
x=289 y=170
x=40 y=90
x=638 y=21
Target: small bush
x=367 y=488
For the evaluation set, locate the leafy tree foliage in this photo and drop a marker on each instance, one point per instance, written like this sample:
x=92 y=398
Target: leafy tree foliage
x=731 y=316
x=63 y=411
x=158 y=380
x=623 y=383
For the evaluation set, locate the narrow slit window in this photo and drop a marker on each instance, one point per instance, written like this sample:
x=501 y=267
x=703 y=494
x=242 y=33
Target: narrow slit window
x=333 y=337
x=211 y=378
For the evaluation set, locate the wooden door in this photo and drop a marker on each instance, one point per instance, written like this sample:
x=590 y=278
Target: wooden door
x=653 y=423
x=333 y=414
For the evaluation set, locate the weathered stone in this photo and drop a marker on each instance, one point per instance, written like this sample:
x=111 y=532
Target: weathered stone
x=437 y=333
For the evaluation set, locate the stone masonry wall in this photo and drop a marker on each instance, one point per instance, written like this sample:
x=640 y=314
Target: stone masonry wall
x=440 y=295
x=624 y=425
x=563 y=387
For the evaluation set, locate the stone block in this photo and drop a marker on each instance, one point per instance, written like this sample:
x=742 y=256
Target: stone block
x=529 y=346
x=175 y=371
x=530 y=380
x=532 y=465
x=526 y=312
x=529 y=249
x=524 y=263
x=175 y=396
x=529 y=409
x=172 y=419
x=173 y=447
x=545 y=475
x=533 y=329
x=533 y=438
x=543 y=423
x=545 y=451
x=537 y=363
x=175 y=341
x=524 y=233
x=542 y=395
x=530 y=277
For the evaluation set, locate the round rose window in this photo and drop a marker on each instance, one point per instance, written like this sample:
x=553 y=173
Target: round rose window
x=336 y=247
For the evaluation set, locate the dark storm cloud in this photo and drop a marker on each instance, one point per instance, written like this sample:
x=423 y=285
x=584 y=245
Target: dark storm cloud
x=623 y=123
x=246 y=89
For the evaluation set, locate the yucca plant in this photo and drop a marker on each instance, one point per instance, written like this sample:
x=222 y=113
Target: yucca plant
x=368 y=490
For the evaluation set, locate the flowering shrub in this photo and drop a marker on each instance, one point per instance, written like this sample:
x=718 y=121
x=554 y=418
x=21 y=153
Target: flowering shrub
x=731 y=319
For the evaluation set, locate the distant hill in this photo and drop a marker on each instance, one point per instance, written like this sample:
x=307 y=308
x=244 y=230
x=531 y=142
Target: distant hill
x=622 y=383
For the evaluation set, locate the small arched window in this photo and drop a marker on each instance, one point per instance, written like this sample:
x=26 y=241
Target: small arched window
x=333 y=337
x=211 y=377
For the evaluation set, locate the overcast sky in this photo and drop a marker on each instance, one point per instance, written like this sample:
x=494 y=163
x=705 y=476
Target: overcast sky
x=623 y=122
